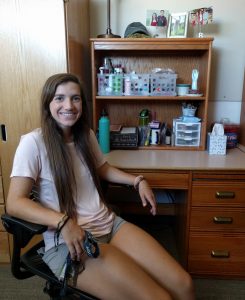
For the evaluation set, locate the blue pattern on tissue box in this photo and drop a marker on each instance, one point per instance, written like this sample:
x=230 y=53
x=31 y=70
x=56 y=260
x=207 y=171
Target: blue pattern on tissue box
x=216 y=144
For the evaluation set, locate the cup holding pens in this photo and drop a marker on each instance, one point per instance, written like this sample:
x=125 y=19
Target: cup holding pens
x=155 y=136
x=189 y=111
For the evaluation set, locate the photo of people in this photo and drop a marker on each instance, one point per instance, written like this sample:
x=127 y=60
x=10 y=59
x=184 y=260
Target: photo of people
x=201 y=16
x=157 y=22
x=157 y=18
x=161 y=19
x=154 y=19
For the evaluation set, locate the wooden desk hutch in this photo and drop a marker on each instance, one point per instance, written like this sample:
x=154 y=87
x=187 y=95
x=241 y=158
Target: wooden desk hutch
x=142 y=56
x=209 y=190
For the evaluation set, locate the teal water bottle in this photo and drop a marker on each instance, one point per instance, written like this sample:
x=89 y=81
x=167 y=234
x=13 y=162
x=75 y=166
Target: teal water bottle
x=104 y=132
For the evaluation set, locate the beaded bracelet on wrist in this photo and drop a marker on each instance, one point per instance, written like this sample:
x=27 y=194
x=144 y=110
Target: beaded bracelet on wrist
x=137 y=182
x=60 y=226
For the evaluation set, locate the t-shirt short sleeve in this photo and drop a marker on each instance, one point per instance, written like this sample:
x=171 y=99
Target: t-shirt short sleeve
x=99 y=157
x=27 y=159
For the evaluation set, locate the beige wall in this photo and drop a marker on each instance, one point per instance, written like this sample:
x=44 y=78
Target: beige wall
x=229 y=42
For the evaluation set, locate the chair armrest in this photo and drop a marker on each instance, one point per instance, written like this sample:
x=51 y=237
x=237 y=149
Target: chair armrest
x=22 y=232
x=107 y=184
x=19 y=227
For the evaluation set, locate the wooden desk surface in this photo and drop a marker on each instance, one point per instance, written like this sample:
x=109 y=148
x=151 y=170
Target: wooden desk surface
x=234 y=160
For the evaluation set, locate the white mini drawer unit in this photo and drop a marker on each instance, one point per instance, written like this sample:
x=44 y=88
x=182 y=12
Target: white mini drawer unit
x=187 y=134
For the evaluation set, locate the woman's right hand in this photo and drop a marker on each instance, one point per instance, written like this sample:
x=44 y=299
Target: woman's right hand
x=73 y=236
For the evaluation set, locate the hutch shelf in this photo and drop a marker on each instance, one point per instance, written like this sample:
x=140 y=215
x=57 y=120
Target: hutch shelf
x=143 y=55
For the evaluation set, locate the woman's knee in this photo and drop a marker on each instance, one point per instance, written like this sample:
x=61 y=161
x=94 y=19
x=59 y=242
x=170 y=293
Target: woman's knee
x=185 y=284
x=117 y=276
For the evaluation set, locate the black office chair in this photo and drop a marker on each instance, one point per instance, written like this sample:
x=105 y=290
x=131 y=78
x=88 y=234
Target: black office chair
x=30 y=263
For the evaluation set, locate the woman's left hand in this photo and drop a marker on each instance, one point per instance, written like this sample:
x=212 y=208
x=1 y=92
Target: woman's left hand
x=147 y=196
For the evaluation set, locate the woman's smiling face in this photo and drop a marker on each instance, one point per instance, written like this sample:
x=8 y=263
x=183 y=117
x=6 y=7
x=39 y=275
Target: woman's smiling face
x=66 y=106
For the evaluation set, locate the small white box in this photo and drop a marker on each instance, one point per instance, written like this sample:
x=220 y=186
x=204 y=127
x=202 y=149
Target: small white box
x=216 y=144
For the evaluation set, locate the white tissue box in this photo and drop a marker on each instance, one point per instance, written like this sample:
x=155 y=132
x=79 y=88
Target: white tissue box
x=216 y=144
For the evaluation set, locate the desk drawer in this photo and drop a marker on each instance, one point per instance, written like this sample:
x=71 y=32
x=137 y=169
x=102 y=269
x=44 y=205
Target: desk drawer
x=217 y=219
x=167 y=180
x=218 y=194
x=216 y=254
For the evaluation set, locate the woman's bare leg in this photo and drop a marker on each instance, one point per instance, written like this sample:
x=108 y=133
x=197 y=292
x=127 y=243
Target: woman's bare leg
x=116 y=276
x=155 y=260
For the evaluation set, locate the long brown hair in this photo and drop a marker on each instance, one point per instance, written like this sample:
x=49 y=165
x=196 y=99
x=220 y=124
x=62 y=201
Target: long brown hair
x=58 y=154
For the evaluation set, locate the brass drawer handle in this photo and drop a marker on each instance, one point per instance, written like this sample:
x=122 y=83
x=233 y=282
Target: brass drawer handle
x=223 y=220
x=220 y=253
x=225 y=195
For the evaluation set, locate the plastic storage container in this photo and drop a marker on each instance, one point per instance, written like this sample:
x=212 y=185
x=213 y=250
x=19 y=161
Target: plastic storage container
x=140 y=84
x=187 y=134
x=163 y=84
x=110 y=84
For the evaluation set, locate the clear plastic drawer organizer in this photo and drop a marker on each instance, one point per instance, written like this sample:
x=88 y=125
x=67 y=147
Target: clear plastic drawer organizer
x=187 y=134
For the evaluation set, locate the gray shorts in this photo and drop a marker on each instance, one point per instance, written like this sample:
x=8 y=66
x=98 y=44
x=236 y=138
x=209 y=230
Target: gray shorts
x=55 y=257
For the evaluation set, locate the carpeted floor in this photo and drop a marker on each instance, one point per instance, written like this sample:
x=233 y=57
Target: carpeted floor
x=13 y=289
x=31 y=289
x=206 y=289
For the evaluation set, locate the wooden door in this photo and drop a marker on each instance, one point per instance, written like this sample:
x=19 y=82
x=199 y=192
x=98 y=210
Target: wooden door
x=33 y=47
x=38 y=38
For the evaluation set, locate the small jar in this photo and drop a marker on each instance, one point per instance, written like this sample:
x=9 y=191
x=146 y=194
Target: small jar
x=182 y=89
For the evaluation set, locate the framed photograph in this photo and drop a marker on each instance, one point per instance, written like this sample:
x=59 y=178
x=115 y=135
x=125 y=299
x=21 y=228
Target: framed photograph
x=178 y=23
x=157 y=22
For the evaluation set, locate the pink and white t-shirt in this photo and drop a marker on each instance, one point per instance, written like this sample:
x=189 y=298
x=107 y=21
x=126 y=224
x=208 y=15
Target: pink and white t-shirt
x=31 y=161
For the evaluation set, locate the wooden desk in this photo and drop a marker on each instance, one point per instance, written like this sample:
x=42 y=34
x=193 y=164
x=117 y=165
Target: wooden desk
x=209 y=204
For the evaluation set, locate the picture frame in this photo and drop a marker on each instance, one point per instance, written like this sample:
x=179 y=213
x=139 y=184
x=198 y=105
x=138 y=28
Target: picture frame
x=178 y=24
x=157 y=22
